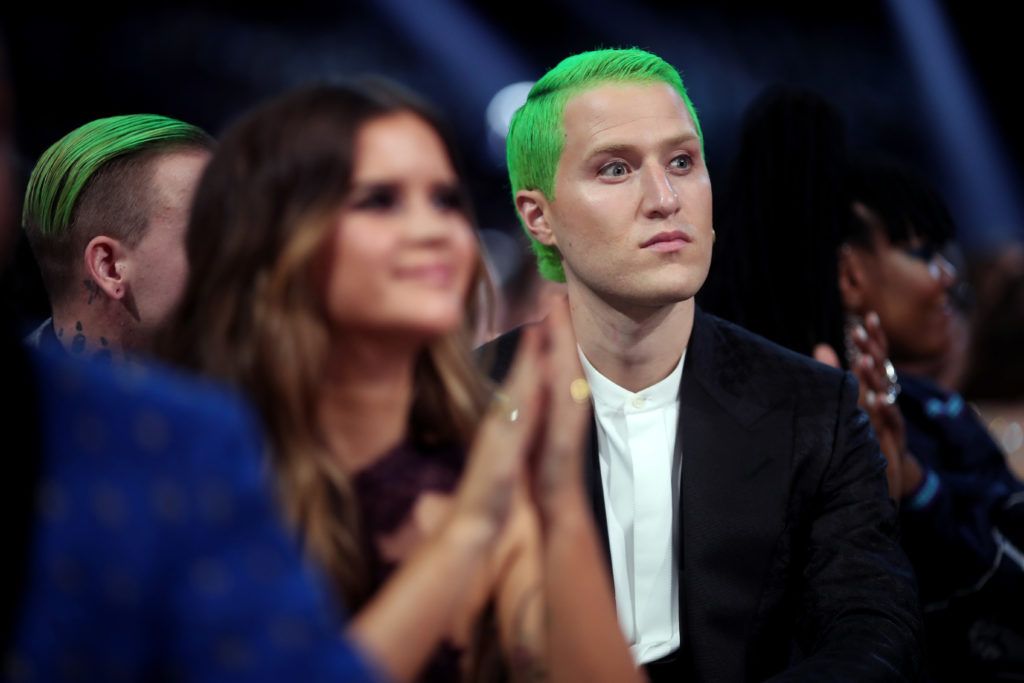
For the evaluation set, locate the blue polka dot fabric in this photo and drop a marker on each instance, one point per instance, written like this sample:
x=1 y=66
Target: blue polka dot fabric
x=158 y=553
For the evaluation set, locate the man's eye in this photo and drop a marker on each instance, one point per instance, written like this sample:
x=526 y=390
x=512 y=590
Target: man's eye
x=683 y=162
x=615 y=169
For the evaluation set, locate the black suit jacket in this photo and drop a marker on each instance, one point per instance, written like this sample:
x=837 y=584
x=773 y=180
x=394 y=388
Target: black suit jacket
x=789 y=562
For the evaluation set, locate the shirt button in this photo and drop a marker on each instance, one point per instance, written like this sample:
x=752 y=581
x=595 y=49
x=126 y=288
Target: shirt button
x=638 y=402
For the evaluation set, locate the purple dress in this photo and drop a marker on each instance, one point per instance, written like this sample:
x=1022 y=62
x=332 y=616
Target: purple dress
x=388 y=491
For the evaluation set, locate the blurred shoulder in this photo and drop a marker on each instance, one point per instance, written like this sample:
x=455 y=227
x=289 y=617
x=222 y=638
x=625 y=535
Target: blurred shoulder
x=142 y=407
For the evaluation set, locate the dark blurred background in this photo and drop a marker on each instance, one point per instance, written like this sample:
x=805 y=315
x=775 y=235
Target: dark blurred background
x=933 y=83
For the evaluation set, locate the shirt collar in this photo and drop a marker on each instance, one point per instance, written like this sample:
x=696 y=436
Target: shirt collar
x=608 y=394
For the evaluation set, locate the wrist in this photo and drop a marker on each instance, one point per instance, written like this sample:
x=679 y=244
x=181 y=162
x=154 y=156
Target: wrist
x=913 y=475
x=565 y=512
x=921 y=496
x=468 y=536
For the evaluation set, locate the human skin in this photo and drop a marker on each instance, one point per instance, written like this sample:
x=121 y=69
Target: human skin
x=631 y=217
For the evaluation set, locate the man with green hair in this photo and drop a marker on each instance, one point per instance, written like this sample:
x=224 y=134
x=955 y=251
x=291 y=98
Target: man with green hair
x=749 y=530
x=108 y=531
x=105 y=213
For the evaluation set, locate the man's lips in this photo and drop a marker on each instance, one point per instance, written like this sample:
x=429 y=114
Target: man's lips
x=667 y=240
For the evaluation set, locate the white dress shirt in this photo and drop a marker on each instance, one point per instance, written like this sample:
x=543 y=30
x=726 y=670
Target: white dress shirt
x=636 y=435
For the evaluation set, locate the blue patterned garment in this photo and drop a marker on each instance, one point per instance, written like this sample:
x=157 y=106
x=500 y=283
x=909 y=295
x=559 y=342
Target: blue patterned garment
x=963 y=531
x=157 y=552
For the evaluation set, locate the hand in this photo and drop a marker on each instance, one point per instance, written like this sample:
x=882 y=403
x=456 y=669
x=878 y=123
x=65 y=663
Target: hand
x=556 y=465
x=877 y=397
x=497 y=457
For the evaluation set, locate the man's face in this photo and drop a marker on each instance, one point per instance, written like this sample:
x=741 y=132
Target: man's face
x=159 y=263
x=632 y=209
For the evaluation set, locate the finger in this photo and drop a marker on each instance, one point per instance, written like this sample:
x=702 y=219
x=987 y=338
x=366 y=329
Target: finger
x=563 y=351
x=874 y=375
x=875 y=344
x=863 y=370
x=560 y=456
x=868 y=345
x=823 y=353
x=564 y=368
x=869 y=358
x=527 y=359
x=515 y=407
x=875 y=410
x=873 y=326
x=887 y=423
x=497 y=456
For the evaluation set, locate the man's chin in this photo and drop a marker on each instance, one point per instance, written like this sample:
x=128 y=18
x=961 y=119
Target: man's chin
x=667 y=294
x=641 y=292
x=652 y=299
x=672 y=298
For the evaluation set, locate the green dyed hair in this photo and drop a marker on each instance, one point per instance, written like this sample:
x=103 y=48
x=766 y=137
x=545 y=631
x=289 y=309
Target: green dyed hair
x=75 y=167
x=536 y=135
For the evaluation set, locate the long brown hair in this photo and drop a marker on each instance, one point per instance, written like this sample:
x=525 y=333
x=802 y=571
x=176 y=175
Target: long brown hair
x=251 y=316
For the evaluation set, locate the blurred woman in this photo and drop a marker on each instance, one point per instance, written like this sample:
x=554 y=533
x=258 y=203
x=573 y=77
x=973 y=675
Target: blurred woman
x=332 y=260
x=850 y=268
x=962 y=512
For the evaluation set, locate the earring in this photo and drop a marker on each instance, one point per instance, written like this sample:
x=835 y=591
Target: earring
x=714 y=235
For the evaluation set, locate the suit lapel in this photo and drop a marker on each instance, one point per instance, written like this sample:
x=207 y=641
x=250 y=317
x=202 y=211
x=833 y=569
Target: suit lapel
x=735 y=476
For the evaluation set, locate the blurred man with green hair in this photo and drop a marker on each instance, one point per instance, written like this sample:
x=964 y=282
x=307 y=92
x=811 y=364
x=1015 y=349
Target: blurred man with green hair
x=750 y=534
x=107 y=528
x=105 y=213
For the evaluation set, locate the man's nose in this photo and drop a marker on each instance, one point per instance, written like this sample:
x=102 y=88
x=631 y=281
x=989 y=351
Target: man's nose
x=660 y=198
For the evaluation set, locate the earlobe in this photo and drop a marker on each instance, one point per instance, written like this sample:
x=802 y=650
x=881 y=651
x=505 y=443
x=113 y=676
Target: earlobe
x=850 y=276
x=533 y=207
x=105 y=266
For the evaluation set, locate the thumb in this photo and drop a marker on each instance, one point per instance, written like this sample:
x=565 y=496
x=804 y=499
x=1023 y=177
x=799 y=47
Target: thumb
x=823 y=353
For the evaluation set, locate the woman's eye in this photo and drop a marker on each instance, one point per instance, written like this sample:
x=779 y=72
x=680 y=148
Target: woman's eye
x=377 y=200
x=683 y=162
x=449 y=200
x=615 y=169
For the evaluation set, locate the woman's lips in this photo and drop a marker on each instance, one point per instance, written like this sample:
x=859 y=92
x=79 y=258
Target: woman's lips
x=434 y=274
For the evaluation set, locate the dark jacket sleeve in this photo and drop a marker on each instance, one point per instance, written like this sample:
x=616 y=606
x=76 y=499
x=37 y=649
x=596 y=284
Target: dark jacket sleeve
x=956 y=540
x=962 y=528
x=860 y=617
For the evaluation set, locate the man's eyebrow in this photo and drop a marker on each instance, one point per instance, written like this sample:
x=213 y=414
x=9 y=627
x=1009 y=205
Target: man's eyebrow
x=622 y=148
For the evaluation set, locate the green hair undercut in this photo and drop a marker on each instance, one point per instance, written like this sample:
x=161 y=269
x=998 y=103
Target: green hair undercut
x=65 y=169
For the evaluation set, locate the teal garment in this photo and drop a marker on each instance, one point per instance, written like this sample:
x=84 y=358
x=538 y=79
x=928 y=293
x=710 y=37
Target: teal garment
x=157 y=552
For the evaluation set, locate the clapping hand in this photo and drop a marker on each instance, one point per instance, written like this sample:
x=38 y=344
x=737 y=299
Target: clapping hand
x=556 y=464
x=878 y=391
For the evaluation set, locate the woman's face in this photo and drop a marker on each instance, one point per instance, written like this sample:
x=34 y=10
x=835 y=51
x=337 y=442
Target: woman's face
x=402 y=252
x=908 y=287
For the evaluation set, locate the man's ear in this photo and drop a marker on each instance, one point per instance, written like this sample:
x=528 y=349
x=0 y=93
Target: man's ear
x=106 y=263
x=533 y=209
x=852 y=276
